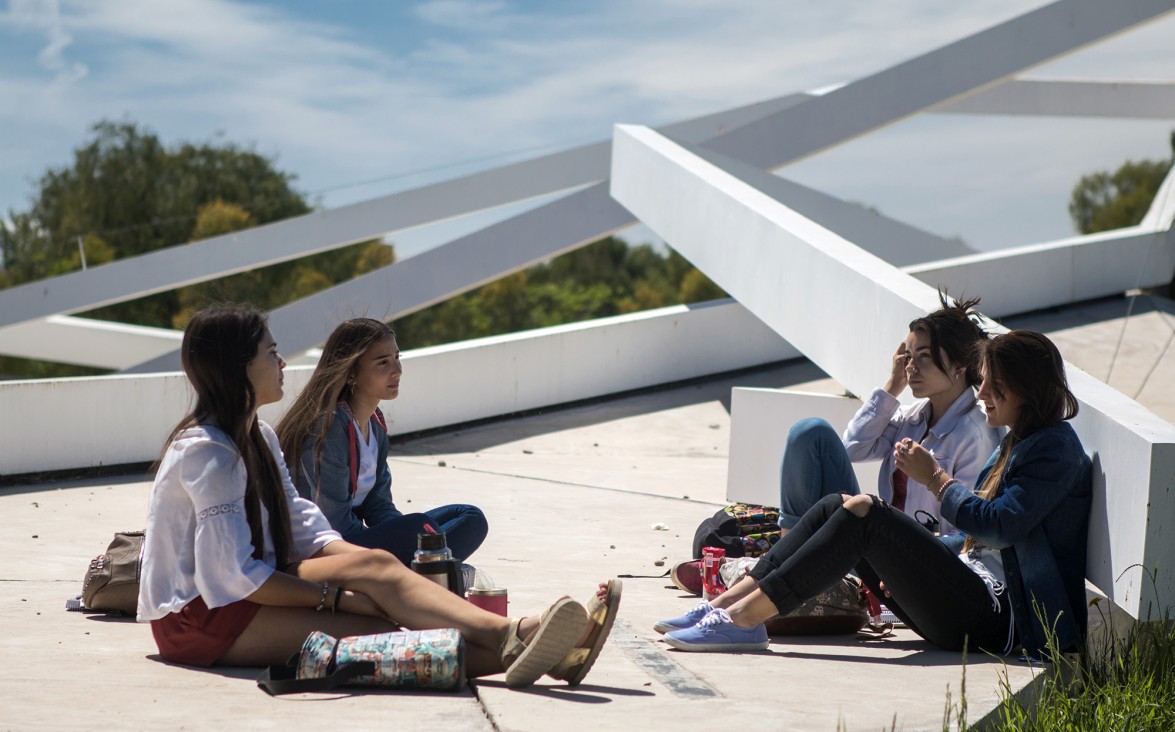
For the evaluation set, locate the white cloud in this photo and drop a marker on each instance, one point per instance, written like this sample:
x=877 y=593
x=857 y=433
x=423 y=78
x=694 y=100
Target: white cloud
x=44 y=17
x=466 y=15
x=480 y=78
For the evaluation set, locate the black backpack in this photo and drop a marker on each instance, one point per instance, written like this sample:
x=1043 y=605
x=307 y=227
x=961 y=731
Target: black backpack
x=743 y=530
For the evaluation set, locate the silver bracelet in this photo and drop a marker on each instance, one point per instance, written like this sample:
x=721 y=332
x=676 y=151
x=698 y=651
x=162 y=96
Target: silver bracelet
x=942 y=491
x=322 y=601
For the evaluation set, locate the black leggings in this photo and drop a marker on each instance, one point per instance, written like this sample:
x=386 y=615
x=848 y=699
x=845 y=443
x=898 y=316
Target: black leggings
x=932 y=590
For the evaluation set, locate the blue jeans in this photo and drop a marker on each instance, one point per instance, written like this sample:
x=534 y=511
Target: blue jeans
x=465 y=529
x=815 y=464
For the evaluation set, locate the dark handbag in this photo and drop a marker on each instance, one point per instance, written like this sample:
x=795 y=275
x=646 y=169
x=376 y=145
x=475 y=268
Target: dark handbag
x=839 y=609
x=406 y=659
x=111 y=583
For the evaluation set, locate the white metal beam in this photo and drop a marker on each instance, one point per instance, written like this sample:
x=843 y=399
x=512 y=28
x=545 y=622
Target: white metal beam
x=933 y=79
x=86 y=342
x=1071 y=98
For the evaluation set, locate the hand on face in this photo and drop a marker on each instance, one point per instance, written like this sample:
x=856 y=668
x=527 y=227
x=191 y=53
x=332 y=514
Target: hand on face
x=914 y=460
x=897 y=376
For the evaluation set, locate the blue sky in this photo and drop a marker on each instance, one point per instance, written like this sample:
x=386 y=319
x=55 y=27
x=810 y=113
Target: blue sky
x=404 y=93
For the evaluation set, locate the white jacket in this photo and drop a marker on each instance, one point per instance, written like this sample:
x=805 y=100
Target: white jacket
x=961 y=441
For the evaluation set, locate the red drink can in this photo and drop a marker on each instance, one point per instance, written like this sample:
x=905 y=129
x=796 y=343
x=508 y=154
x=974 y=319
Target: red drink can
x=712 y=558
x=494 y=600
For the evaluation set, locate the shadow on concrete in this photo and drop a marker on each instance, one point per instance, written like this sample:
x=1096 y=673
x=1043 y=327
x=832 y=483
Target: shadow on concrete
x=485 y=434
x=53 y=483
x=582 y=694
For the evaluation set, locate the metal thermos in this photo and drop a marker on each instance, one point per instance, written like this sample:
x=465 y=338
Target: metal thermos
x=434 y=561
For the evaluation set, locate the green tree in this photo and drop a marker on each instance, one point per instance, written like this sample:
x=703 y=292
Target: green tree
x=1106 y=200
x=126 y=193
x=605 y=278
x=126 y=187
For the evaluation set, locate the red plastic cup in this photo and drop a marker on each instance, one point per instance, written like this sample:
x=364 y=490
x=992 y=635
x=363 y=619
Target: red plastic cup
x=712 y=558
x=494 y=600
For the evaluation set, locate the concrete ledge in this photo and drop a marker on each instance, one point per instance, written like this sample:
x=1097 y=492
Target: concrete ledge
x=87 y=422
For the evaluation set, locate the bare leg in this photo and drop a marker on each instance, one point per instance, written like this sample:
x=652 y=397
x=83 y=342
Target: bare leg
x=409 y=599
x=277 y=633
x=741 y=589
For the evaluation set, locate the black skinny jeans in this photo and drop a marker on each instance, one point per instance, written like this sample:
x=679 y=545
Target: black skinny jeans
x=932 y=590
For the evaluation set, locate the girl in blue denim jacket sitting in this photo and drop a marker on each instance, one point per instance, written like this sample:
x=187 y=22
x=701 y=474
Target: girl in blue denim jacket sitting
x=335 y=441
x=1021 y=572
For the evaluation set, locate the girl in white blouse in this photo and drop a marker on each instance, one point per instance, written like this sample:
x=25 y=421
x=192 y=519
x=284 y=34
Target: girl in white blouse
x=238 y=569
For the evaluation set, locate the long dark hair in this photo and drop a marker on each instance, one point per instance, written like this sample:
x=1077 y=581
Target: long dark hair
x=1027 y=364
x=314 y=409
x=218 y=345
x=956 y=331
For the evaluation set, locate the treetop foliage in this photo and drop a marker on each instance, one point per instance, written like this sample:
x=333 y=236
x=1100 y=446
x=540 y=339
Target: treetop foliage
x=127 y=193
x=1106 y=200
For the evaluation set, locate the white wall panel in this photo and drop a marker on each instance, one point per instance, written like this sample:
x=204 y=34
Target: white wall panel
x=759 y=423
x=88 y=422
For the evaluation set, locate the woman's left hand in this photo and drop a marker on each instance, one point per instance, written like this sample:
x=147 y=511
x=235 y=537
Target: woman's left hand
x=914 y=460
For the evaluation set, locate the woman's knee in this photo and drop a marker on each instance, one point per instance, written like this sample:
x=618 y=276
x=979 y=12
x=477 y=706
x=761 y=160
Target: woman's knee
x=859 y=505
x=810 y=431
x=378 y=563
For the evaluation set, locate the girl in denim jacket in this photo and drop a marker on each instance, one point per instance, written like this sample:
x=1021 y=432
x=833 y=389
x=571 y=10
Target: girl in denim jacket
x=1021 y=573
x=335 y=441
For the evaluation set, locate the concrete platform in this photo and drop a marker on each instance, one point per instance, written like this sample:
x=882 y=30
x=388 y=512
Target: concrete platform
x=571 y=497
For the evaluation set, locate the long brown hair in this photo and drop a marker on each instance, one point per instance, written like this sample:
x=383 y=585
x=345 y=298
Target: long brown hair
x=218 y=345
x=313 y=411
x=1027 y=364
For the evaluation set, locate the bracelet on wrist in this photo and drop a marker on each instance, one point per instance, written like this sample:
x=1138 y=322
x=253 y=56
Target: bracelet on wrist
x=943 y=489
x=338 y=597
x=322 y=600
x=935 y=476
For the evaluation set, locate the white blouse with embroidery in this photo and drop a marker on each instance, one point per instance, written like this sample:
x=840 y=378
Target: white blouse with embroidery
x=198 y=540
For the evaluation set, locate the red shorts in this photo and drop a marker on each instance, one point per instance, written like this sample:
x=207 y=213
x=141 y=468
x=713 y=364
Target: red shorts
x=197 y=636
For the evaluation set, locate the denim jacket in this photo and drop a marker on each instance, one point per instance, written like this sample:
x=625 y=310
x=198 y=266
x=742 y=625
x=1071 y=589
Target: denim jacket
x=329 y=483
x=1038 y=520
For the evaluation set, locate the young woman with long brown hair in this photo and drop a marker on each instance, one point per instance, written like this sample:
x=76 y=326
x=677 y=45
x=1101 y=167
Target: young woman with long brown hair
x=335 y=440
x=238 y=568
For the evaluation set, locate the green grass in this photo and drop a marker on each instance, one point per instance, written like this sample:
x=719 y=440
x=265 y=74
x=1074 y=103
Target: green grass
x=1127 y=684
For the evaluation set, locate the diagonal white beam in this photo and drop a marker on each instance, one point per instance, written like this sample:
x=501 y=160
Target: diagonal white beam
x=86 y=342
x=1071 y=98
x=319 y=231
x=534 y=236
x=933 y=79
x=437 y=274
x=845 y=309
